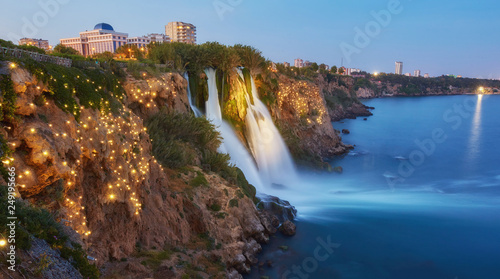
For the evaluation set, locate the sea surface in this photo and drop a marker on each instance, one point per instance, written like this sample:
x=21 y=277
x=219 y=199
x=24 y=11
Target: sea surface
x=419 y=197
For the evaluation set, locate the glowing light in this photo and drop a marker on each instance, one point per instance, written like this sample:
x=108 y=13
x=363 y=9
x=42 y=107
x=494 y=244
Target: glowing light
x=3 y=242
x=12 y=65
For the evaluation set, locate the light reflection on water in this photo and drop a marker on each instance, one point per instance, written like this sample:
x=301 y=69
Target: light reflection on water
x=475 y=130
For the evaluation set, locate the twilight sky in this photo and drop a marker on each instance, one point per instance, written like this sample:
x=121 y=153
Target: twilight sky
x=438 y=37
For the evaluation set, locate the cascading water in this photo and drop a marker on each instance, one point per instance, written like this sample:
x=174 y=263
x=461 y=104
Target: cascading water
x=195 y=110
x=274 y=163
x=230 y=143
x=268 y=147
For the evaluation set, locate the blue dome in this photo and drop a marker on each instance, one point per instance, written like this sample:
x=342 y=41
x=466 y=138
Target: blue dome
x=104 y=26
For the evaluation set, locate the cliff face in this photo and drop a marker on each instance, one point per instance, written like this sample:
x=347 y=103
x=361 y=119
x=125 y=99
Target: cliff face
x=389 y=89
x=302 y=112
x=97 y=175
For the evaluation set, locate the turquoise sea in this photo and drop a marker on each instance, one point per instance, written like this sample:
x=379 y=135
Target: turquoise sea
x=419 y=197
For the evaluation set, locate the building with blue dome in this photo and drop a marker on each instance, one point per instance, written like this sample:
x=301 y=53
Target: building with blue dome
x=103 y=38
x=103 y=26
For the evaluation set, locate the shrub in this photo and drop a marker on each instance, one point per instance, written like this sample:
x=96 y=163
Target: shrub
x=178 y=137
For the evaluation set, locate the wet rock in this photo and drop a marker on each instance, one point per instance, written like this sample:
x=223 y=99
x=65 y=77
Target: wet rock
x=282 y=209
x=239 y=263
x=233 y=274
x=269 y=221
x=345 y=131
x=288 y=228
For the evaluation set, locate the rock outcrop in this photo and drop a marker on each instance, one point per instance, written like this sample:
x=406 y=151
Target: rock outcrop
x=97 y=174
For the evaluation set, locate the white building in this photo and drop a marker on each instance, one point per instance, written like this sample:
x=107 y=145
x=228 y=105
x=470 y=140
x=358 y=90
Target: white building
x=103 y=38
x=181 y=32
x=399 y=68
x=43 y=44
x=139 y=42
x=426 y=75
x=299 y=63
x=416 y=73
x=286 y=64
x=158 y=38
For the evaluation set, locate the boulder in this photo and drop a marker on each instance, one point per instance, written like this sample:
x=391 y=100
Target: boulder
x=288 y=228
x=345 y=131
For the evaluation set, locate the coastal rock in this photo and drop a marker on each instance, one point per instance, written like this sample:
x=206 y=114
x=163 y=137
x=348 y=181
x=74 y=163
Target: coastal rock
x=288 y=228
x=345 y=131
x=116 y=198
x=277 y=207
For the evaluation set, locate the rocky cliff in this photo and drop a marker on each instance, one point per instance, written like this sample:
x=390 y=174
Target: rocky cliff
x=97 y=175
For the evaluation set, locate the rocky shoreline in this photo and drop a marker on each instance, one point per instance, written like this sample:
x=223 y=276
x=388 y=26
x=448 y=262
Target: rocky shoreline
x=158 y=226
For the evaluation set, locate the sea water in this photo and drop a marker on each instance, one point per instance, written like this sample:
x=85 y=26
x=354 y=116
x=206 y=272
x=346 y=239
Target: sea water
x=419 y=197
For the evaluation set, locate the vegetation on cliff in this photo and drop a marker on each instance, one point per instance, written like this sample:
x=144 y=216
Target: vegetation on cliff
x=381 y=84
x=181 y=140
x=39 y=223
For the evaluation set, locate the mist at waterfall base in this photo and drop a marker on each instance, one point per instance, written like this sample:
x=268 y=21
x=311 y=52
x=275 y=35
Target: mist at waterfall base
x=378 y=220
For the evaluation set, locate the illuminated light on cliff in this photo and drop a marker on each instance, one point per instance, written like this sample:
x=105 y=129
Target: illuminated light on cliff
x=32 y=130
x=3 y=242
x=12 y=65
x=112 y=197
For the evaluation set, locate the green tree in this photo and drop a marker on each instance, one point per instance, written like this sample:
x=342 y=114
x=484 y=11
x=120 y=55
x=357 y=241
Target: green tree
x=334 y=69
x=65 y=50
x=341 y=71
x=314 y=67
x=130 y=51
x=106 y=56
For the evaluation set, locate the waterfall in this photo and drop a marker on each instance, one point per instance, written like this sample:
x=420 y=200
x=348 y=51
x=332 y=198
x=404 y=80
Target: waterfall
x=230 y=142
x=195 y=110
x=268 y=147
x=270 y=161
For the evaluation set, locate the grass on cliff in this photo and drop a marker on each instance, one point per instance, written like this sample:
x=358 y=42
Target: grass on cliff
x=71 y=87
x=38 y=222
x=181 y=139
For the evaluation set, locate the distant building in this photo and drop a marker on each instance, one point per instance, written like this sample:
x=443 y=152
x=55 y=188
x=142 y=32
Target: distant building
x=286 y=64
x=327 y=68
x=181 y=32
x=426 y=75
x=139 y=42
x=399 y=68
x=299 y=63
x=343 y=70
x=158 y=38
x=43 y=44
x=416 y=73
x=103 y=38
x=307 y=63
x=408 y=74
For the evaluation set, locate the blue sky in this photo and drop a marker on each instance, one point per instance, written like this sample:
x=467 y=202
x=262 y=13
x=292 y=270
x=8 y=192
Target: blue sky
x=437 y=37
